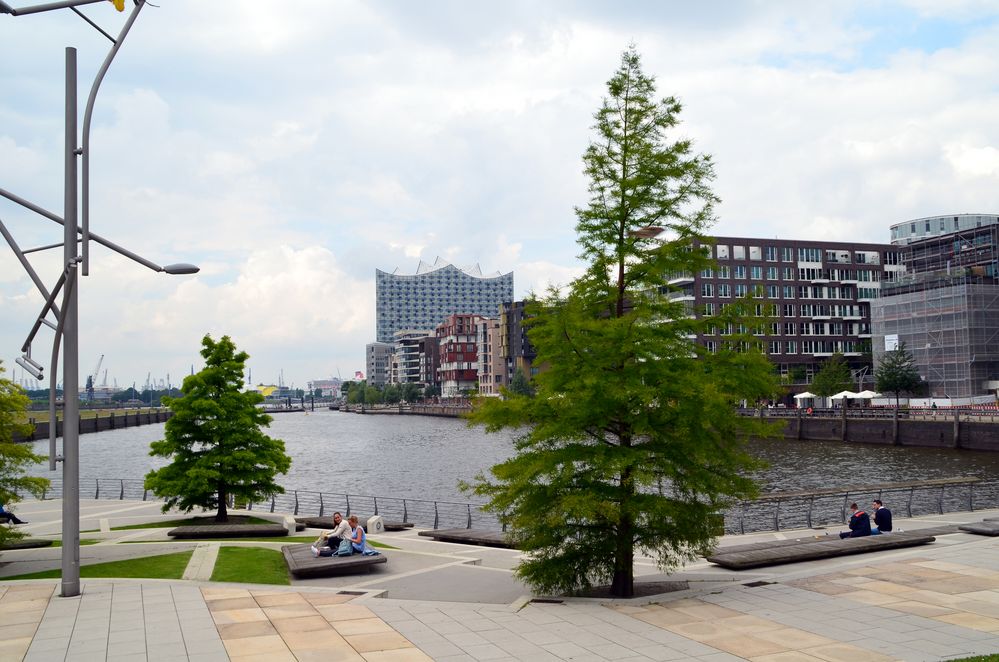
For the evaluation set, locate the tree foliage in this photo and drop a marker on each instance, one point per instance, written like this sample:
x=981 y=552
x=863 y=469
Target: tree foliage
x=519 y=384
x=897 y=373
x=214 y=439
x=834 y=376
x=632 y=436
x=15 y=458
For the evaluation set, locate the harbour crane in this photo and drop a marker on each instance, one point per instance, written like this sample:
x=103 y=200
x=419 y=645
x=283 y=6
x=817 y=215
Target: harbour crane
x=92 y=379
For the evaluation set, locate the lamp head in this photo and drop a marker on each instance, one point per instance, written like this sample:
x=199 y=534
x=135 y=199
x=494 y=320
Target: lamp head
x=181 y=268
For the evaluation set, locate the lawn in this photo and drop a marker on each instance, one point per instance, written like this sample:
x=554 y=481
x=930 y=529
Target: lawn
x=191 y=521
x=250 y=565
x=162 y=566
x=83 y=541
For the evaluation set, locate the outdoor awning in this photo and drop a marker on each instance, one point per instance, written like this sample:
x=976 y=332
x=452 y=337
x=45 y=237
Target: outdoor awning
x=867 y=395
x=849 y=395
x=802 y=396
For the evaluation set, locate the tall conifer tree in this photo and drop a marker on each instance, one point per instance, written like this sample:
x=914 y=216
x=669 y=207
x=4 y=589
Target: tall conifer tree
x=214 y=439
x=633 y=440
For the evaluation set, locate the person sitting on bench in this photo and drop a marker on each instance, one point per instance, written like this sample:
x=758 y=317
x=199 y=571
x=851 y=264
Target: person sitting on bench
x=357 y=537
x=328 y=541
x=860 y=523
x=9 y=516
x=882 y=518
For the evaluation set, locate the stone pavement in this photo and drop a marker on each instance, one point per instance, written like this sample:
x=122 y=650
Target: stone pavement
x=457 y=603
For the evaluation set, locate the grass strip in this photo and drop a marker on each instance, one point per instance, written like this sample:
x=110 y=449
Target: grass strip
x=250 y=565
x=286 y=540
x=83 y=541
x=161 y=566
x=190 y=521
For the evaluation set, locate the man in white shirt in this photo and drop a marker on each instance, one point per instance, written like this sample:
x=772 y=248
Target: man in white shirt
x=331 y=539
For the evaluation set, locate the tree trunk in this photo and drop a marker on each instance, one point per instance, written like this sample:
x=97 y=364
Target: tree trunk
x=222 y=515
x=623 y=584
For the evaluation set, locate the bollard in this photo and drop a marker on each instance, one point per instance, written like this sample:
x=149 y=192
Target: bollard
x=777 y=516
x=144 y=492
x=912 y=491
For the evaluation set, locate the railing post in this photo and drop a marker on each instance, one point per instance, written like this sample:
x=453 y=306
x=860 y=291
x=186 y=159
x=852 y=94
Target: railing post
x=347 y=496
x=97 y=494
x=469 y=506
x=436 y=515
x=322 y=505
x=742 y=519
x=405 y=513
x=971 y=497
x=912 y=490
x=842 y=512
x=376 y=504
x=296 y=502
x=940 y=500
x=121 y=495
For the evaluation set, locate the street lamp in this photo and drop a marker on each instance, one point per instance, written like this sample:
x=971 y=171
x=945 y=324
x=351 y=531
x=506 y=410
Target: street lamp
x=66 y=326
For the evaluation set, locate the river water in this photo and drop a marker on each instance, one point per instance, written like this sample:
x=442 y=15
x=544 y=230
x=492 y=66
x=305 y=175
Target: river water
x=424 y=457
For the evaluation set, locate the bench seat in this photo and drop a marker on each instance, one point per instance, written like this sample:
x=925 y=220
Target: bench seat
x=470 y=537
x=302 y=564
x=986 y=528
x=778 y=552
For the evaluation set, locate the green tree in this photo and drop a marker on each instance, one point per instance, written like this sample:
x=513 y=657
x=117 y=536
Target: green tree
x=214 y=439
x=834 y=376
x=356 y=391
x=15 y=458
x=519 y=384
x=372 y=395
x=411 y=392
x=431 y=391
x=632 y=438
x=392 y=394
x=897 y=373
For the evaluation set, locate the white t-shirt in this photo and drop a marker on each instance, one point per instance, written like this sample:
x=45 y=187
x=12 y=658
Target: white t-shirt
x=341 y=530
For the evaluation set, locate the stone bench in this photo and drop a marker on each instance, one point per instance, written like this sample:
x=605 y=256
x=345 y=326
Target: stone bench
x=778 y=552
x=198 y=531
x=302 y=564
x=470 y=537
x=326 y=523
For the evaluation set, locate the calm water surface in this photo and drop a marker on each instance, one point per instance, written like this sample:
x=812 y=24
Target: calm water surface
x=425 y=457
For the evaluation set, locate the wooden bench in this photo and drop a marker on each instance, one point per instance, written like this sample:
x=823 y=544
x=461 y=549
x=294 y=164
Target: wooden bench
x=327 y=523
x=228 y=531
x=470 y=537
x=302 y=564
x=989 y=527
x=778 y=552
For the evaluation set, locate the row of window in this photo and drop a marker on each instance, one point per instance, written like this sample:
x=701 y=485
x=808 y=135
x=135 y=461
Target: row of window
x=795 y=329
x=739 y=290
x=787 y=254
x=777 y=347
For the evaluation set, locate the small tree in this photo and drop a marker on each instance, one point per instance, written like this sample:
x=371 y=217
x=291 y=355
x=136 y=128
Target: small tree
x=410 y=392
x=15 y=458
x=897 y=373
x=392 y=394
x=214 y=439
x=632 y=440
x=372 y=395
x=519 y=384
x=834 y=376
x=431 y=391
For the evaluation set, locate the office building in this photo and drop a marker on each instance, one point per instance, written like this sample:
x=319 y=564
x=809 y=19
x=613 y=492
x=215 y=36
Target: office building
x=492 y=363
x=515 y=347
x=938 y=226
x=435 y=291
x=406 y=356
x=378 y=357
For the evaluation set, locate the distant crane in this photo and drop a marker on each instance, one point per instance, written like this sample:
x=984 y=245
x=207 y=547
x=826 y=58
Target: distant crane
x=92 y=379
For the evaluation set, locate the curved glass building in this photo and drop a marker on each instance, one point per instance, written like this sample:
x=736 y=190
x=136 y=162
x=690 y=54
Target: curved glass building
x=936 y=226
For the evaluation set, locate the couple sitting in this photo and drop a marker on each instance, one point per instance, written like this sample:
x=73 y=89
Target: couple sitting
x=345 y=538
x=860 y=522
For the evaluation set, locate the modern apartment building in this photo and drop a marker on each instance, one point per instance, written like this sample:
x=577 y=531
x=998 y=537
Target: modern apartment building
x=815 y=296
x=515 y=347
x=459 y=357
x=945 y=308
x=492 y=363
x=430 y=361
x=406 y=353
x=423 y=299
x=378 y=359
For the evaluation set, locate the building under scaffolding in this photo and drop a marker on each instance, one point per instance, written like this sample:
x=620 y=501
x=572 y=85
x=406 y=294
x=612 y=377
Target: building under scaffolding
x=945 y=308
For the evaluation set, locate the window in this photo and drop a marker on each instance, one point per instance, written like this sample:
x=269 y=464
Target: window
x=739 y=252
x=723 y=290
x=721 y=251
x=709 y=309
x=755 y=253
x=740 y=272
x=786 y=254
x=809 y=254
x=756 y=273
x=774 y=347
x=707 y=290
x=707 y=273
x=789 y=291
x=740 y=290
x=724 y=272
x=771 y=253
x=771 y=273
x=788 y=273
x=791 y=347
x=789 y=328
x=772 y=291
x=787 y=310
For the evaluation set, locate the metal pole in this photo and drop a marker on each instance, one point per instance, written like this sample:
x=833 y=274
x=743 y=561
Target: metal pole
x=71 y=357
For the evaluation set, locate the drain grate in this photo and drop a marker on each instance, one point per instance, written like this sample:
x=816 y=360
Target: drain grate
x=351 y=593
x=547 y=601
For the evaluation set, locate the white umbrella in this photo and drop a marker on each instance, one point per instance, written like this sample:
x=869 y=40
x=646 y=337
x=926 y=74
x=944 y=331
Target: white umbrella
x=867 y=395
x=802 y=396
x=843 y=394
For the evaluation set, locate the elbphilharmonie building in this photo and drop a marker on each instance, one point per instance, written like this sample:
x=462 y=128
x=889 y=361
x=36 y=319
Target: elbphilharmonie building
x=422 y=300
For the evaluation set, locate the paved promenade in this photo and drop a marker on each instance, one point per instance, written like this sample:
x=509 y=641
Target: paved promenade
x=438 y=601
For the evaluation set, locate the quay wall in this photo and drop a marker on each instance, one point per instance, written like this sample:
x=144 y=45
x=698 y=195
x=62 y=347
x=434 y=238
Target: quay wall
x=947 y=431
x=112 y=421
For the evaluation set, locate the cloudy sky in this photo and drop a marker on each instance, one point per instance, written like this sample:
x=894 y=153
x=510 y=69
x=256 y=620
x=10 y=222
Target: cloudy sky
x=291 y=148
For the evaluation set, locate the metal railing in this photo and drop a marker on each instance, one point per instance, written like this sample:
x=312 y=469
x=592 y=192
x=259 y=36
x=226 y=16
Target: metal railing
x=769 y=512
x=907 y=413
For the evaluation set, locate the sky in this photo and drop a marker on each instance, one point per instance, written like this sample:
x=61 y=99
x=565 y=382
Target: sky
x=291 y=148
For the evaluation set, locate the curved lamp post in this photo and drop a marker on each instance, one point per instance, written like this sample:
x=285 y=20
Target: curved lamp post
x=66 y=316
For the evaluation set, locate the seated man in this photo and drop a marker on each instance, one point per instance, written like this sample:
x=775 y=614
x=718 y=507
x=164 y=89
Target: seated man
x=7 y=516
x=328 y=541
x=860 y=523
x=882 y=517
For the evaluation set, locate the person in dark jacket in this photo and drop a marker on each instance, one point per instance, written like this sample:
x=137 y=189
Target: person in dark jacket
x=860 y=523
x=882 y=518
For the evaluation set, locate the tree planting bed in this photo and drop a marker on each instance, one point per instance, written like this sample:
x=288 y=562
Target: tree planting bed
x=303 y=565
x=778 y=552
x=228 y=531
